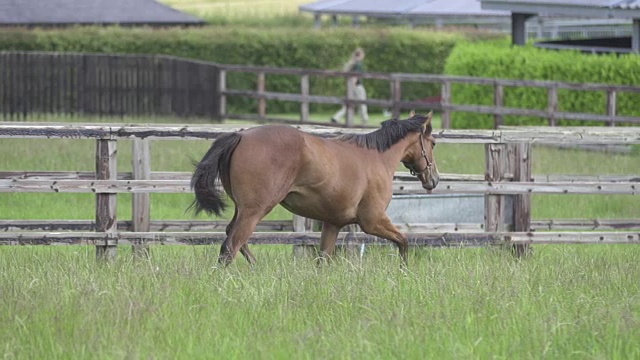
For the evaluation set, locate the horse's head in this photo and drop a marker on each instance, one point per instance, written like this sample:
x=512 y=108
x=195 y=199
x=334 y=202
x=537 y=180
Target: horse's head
x=419 y=157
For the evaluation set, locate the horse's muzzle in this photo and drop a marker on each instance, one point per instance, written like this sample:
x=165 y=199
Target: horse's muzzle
x=429 y=186
x=431 y=182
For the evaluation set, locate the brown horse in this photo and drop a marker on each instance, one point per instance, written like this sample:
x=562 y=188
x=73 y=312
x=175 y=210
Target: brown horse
x=339 y=181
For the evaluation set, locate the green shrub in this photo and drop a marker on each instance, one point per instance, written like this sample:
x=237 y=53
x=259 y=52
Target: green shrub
x=388 y=50
x=500 y=60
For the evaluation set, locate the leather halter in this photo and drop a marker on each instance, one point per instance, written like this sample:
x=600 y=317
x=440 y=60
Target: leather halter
x=411 y=168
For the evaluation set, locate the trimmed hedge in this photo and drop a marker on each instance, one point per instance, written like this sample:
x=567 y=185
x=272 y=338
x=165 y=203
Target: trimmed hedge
x=501 y=60
x=388 y=50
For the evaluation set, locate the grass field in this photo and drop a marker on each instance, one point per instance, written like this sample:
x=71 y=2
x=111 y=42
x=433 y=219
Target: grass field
x=565 y=302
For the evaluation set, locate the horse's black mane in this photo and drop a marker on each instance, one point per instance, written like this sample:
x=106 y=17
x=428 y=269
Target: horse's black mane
x=391 y=132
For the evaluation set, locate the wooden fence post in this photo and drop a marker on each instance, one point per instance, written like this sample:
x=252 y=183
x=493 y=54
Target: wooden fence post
x=611 y=106
x=494 y=205
x=302 y=224
x=498 y=101
x=350 y=108
x=304 y=105
x=522 y=203
x=396 y=96
x=222 y=87
x=262 y=103
x=506 y=162
x=106 y=222
x=445 y=102
x=349 y=248
x=552 y=104
x=141 y=208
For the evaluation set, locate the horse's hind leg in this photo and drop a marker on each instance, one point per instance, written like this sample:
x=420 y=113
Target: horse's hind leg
x=225 y=248
x=238 y=234
x=247 y=254
x=244 y=249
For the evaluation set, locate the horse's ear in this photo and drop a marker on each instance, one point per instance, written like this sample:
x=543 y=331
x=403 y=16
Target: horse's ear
x=412 y=113
x=426 y=126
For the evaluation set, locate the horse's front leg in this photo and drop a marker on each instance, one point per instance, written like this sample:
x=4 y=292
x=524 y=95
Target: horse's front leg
x=381 y=226
x=328 y=238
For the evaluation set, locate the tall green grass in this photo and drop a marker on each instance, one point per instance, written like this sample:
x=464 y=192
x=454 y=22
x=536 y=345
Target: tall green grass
x=566 y=302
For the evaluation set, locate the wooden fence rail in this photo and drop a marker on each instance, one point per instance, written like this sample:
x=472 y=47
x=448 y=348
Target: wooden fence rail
x=117 y=85
x=400 y=176
x=536 y=135
x=508 y=173
x=112 y=239
x=109 y=186
x=287 y=225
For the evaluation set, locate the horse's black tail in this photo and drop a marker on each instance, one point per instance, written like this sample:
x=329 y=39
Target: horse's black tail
x=214 y=165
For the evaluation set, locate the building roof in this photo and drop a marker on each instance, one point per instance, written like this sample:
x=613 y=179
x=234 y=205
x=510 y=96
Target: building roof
x=576 y=8
x=401 y=8
x=85 y=12
x=599 y=3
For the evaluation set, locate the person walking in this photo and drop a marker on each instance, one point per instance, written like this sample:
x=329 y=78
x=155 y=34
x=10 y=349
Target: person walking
x=358 y=92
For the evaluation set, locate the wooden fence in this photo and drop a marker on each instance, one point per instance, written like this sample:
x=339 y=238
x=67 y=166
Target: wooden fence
x=508 y=173
x=133 y=85
x=443 y=103
x=106 y=85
